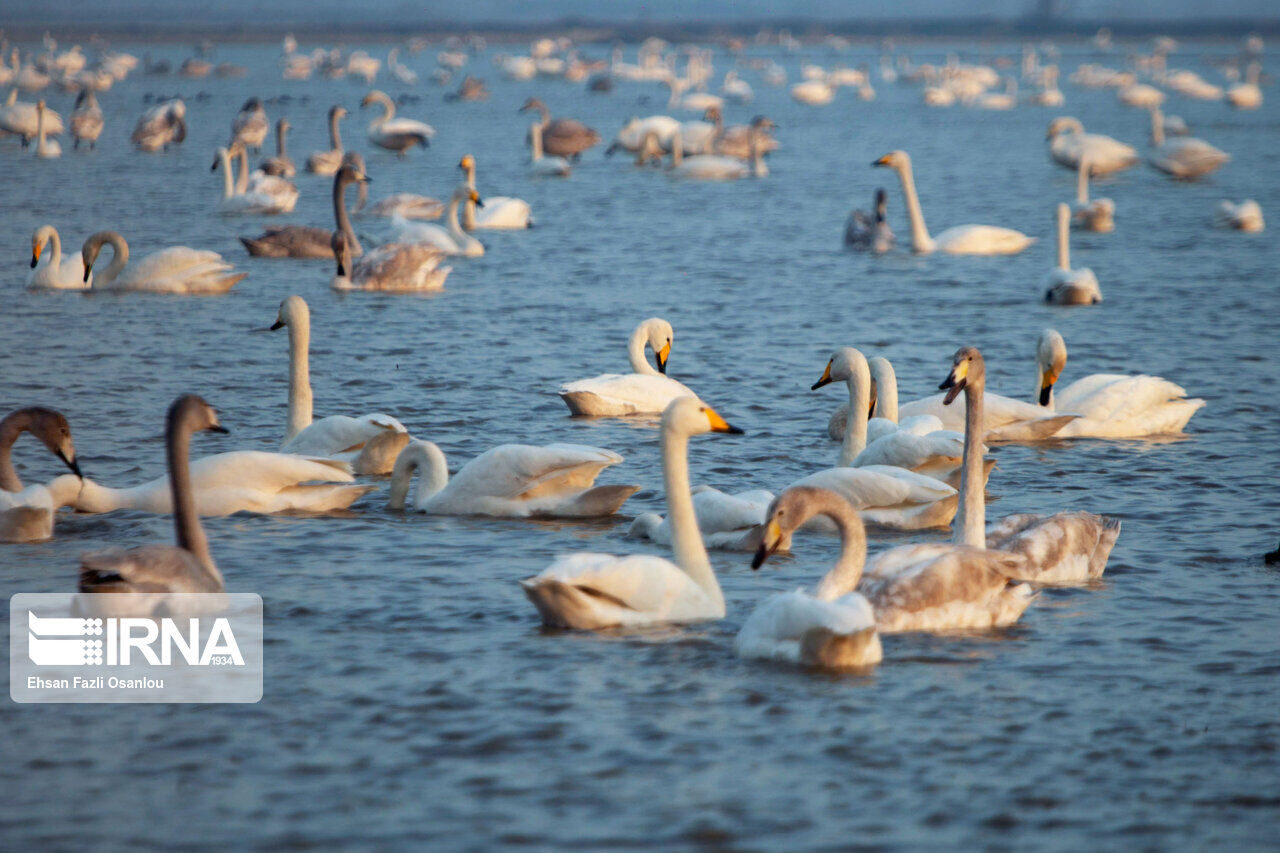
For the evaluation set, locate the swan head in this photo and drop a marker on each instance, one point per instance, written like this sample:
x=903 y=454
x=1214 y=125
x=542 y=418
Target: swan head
x=894 y=160
x=691 y=416
x=1063 y=124
x=377 y=96
x=39 y=238
x=219 y=156
x=252 y=105
x=352 y=171
x=763 y=123
x=465 y=193
x=90 y=250
x=292 y=310
x=52 y=430
x=283 y=126
x=532 y=104
x=192 y=414
x=844 y=365
x=1051 y=359
x=337 y=111
x=658 y=336
x=786 y=514
x=467 y=163
x=967 y=369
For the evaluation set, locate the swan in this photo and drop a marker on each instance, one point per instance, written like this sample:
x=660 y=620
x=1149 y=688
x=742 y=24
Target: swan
x=1245 y=216
x=250 y=126
x=186 y=567
x=86 y=119
x=631 y=137
x=715 y=167
x=883 y=411
x=46 y=148
x=1246 y=95
x=815 y=93
x=174 y=270
x=1110 y=405
x=541 y=166
x=1140 y=95
x=870 y=233
x=644 y=391
x=1064 y=548
x=736 y=141
x=470 y=89
x=26 y=515
x=562 y=137
x=328 y=162
x=391 y=267
x=281 y=165
x=1068 y=142
x=736 y=89
x=1097 y=215
x=369 y=442
x=1000 y=101
x=307 y=241
x=402 y=73
x=160 y=126
x=21 y=118
x=499 y=212
x=510 y=481
x=406 y=205
x=960 y=240
x=395 y=134
x=1066 y=286
x=1186 y=157
x=243 y=199
x=452 y=240
x=831 y=626
x=283 y=194
x=592 y=591
x=55 y=275
x=726 y=521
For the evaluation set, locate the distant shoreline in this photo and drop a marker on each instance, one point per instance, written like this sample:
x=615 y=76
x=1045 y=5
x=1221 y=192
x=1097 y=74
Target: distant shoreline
x=805 y=29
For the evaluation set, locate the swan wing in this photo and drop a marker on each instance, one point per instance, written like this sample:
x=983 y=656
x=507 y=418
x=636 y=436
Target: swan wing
x=776 y=629
x=340 y=434
x=630 y=393
x=878 y=486
x=263 y=471
x=1118 y=406
x=907 y=450
x=504 y=212
x=527 y=472
x=398 y=266
x=426 y=233
x=406 y=127
x=635 y=589
x=151 y=568
x=1065 y=548
x=982 y=240
x=1004 y=418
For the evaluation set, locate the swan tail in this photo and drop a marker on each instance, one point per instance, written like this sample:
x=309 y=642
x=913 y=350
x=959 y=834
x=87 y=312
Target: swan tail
x=1036 y=430
x=1107 y=537
x=644 y=526
x=595 y=502
x=378 y=456
x=321 y=497
x=261 y=248
x=589 y=404
x=563 y=605
x=827 y=649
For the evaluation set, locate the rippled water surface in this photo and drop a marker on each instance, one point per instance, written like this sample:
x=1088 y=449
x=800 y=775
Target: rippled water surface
x=411 y=696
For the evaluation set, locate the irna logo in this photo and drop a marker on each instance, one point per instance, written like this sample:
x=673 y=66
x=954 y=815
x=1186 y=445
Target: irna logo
x=72 y=641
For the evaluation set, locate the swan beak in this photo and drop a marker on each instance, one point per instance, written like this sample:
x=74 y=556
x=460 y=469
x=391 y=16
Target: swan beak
x=219 y=428
x=883 y=161
x=955 y=382
x=71 y=463
x=88 y=271
x=663 y=355
x=278 y=324
x=719 y=424
x=825 y=380
x=768 y=544
x=875 y=395
x=35 y=254
x=1046 y=385
x=476 y=198
x=341 y=272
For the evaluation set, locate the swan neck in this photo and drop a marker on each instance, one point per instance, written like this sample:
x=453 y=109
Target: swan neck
x=10 y=428
x=469 y=210
x=971 y=517
x=342 y=220
x=119 y=257
x=677 y=149
x=188 y=533
x=635 y=353
x=55 y=248
x=454 y=228
x=855 y=426
x=887 y=394
x=686 y=539
x=535 y=142
x=335 y=135
x=920 y=240
x=844 y=575
x=242 y=178
x=280 y=144
x=1082 y=181
x=418 y=458
x=1157 y=128
x=228 y=182
x=299 y=375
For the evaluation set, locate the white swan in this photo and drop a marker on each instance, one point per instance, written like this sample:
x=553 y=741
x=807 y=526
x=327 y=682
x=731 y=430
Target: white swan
x=511 y=481
x=728 y=521
x=1064 y=548
x=391 y=267
x=27 y=514
x=22 y=119
x=540 y=165
x=1110 y=405
x=328 y=162
x=1246 y=95
x=1096 y=215
x=370 y=443
x=282 y=192
x=1065 y=286
x=54 y=274
x=395 y=134
x=715 y=167
x=452 y=240
x=1185 y=157
x=959 y=240
x=161 y=126
x=591 y=591
x=1068 y=143
x=499 y=212
x=815 y=93
x=645 y=391
x=46 y=148
x=239 y=198
x=174 y=270
x=189 y=566
x=831 y=627
x=1245 y=216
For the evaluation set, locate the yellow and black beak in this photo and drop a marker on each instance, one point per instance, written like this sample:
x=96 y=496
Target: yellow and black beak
x=883 y=161
x=35 y=254
x=476 y=198
x=662 y=356
x=769 y=543
x=719 y=424
x=1047 y=378
x=825 y=380
x=955 y=382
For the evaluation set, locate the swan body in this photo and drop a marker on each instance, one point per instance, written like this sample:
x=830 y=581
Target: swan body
x=645 y=391
x=510 y=481
x=370 y=442
x=307 y=241
x=1066 y=286
x=27 y=514
x=1185 y=157
x=960 y=240
x=815 y=93
x=562 y=137
x=451 y=240
x=736 y=89
x=1140 y=95
x=1110 y=405
x=395 y=134
x=1245 y=216
x=593 y=591
x=175 y=270
x=22 y=118
x=727 y=521
x=250 y=126
x=1096 y=215
x=498 y=212
x=54 y=274
x=162 y=125
x=540 y=165
x=328 y=162
x=240 y=197
x=391 y=267
x=635 y=131
x=86 y=119
x=870 y=233
x=1068 y=143
x=713 y=167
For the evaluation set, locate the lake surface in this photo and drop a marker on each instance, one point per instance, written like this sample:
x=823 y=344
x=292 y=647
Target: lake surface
x=411 y=697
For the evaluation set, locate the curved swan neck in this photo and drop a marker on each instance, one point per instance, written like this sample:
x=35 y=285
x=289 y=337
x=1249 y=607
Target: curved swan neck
x=119 y=257
x=421 y=457
x=635 y=352
x=55 y=246
x=1063 y=215
x=340 y=217
x=469 y=210
x=188 y=533
x=281 y=130
x=971 y=517
x=844 y=575
x=228 y=181
x=855 y=426
x=299 y=373
x=454 y=228
x=920 y=239
x=535 y=142
x=686 y=539
x=886 y=389
x=242 y=179
x=14 y=425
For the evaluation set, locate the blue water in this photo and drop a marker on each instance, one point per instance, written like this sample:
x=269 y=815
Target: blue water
x=410 y=696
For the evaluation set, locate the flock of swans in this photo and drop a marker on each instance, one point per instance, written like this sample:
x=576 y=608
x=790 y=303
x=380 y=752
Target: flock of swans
x=921 y=464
